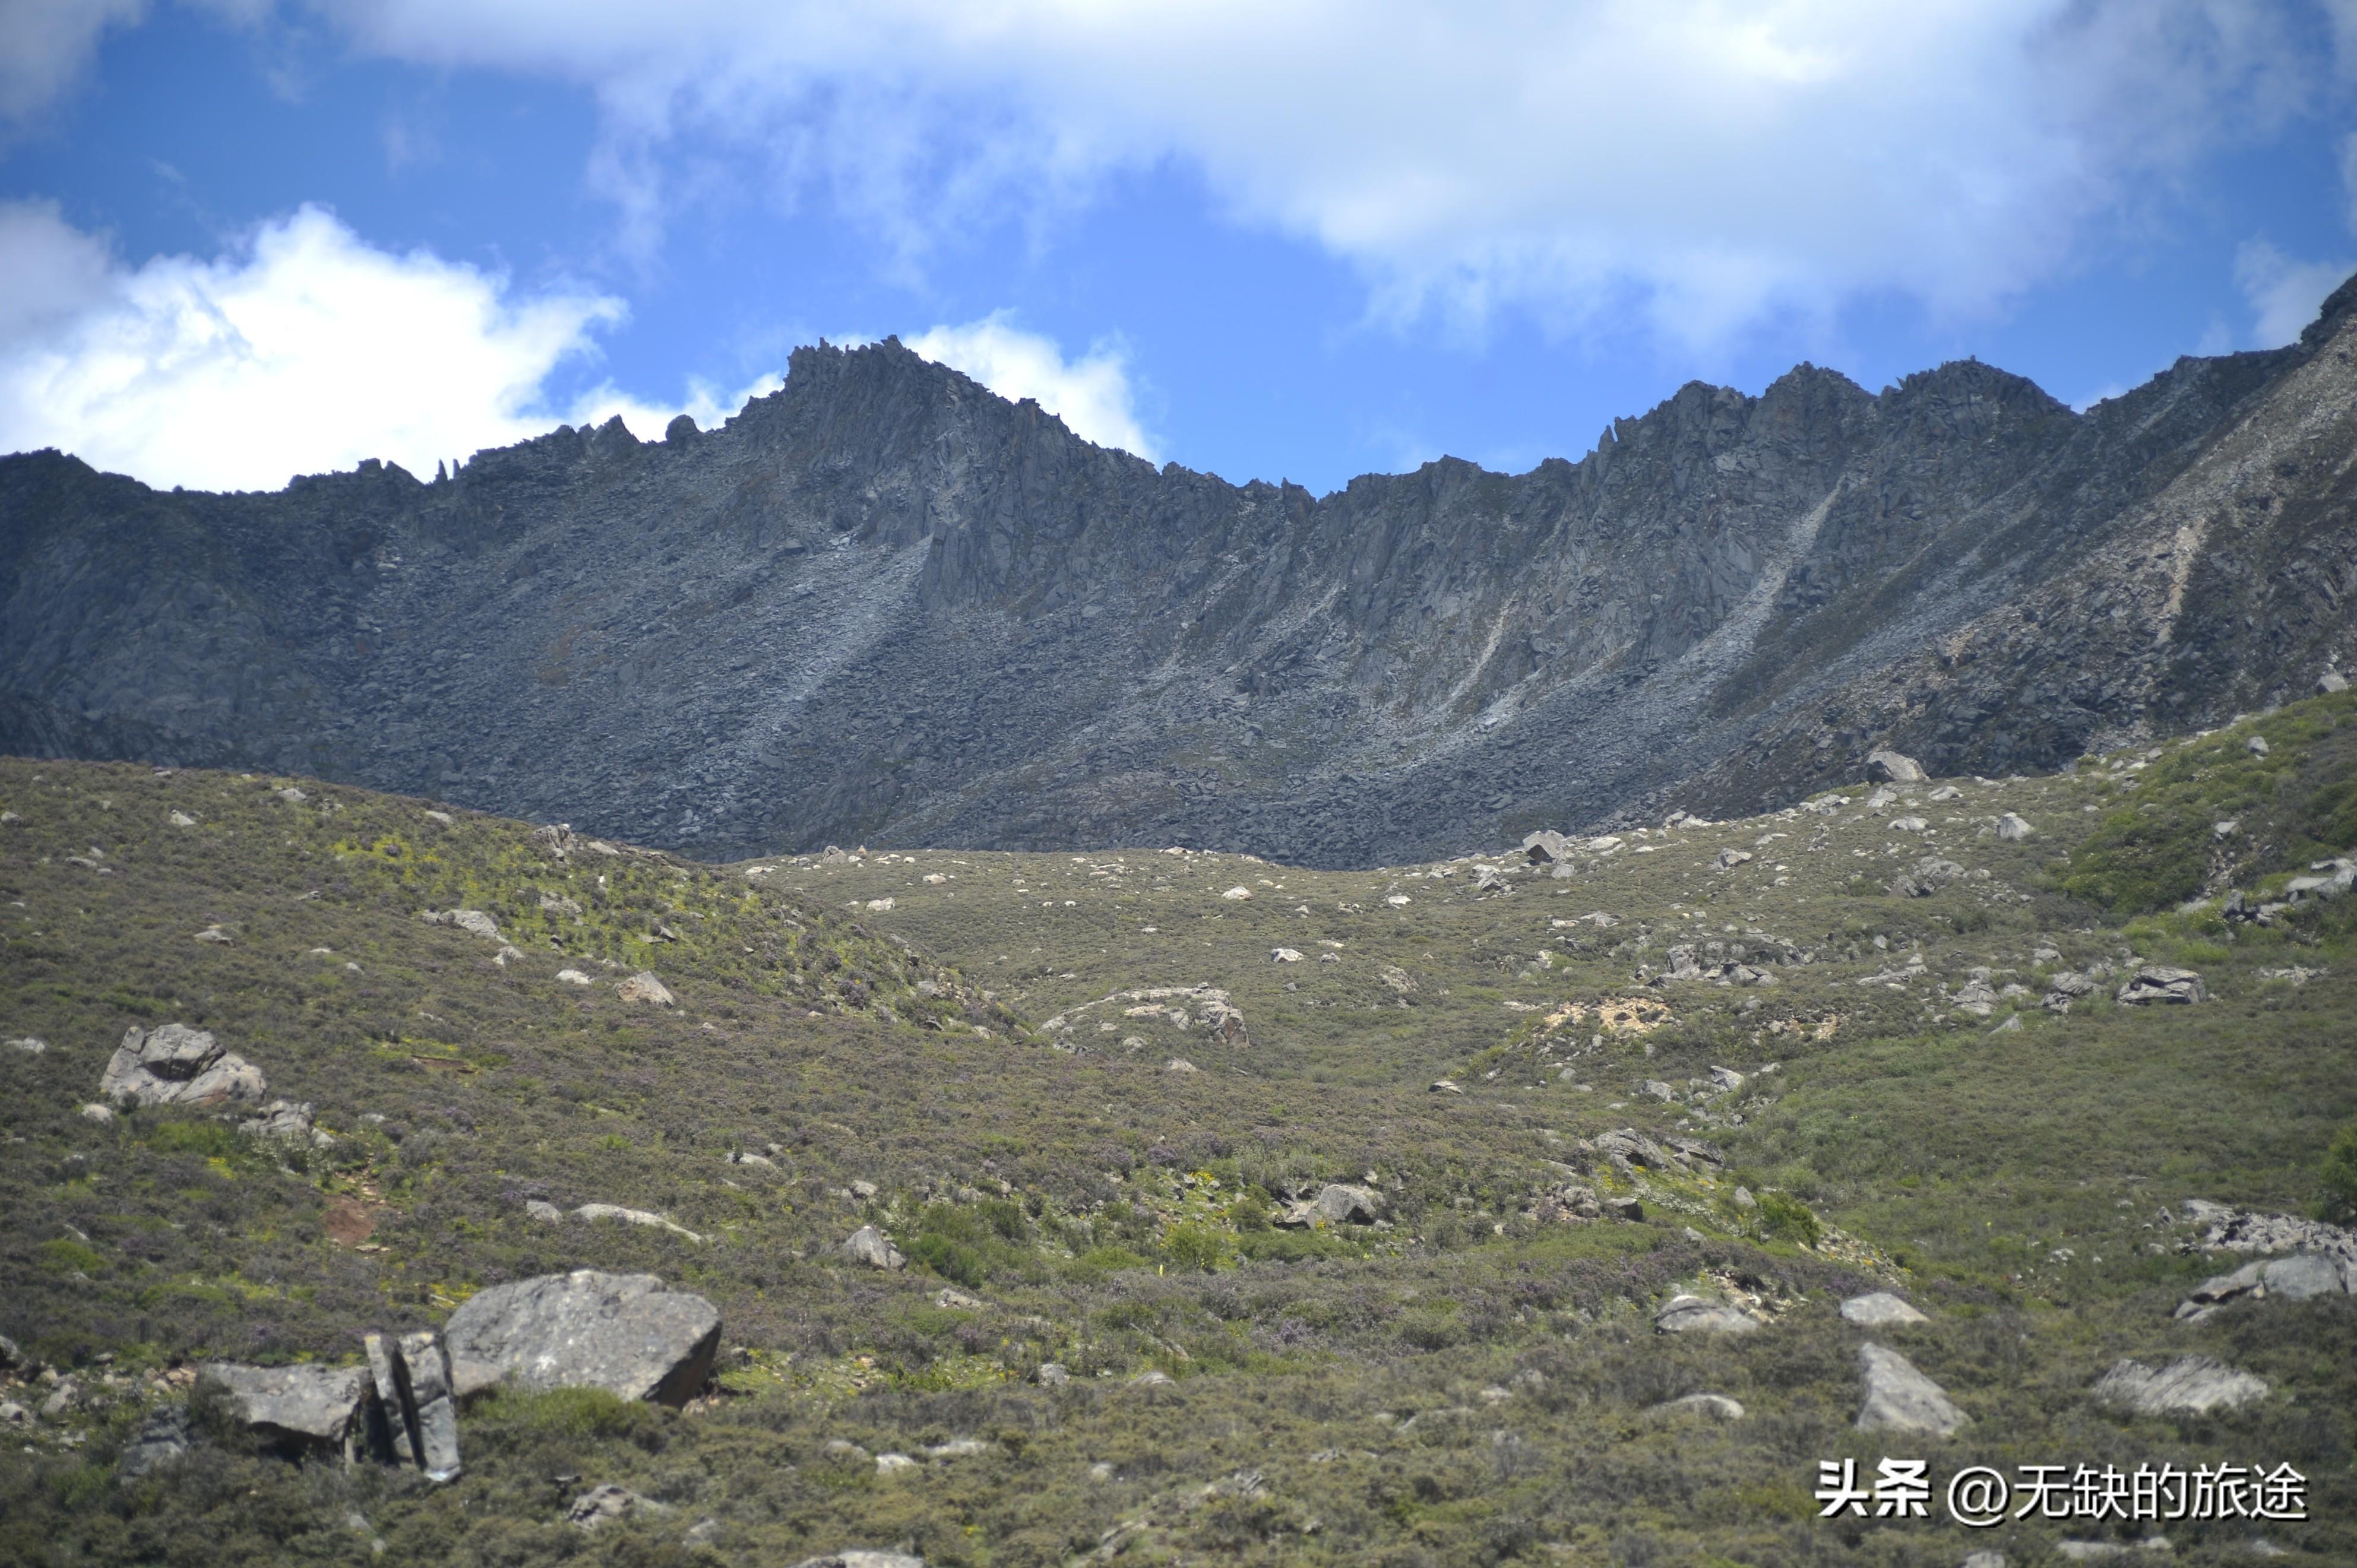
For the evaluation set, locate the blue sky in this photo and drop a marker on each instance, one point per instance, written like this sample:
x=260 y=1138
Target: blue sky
x=242 y=239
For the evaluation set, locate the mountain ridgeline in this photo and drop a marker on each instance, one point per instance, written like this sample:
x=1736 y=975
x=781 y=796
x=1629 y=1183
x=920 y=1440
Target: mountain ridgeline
x=884 y=605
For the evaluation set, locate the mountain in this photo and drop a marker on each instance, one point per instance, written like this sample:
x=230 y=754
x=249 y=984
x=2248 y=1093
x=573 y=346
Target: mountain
x=884 y=605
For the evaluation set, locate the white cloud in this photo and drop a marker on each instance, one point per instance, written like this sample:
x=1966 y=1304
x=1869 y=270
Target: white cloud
x=1693 y=166
x=44 y=44
x=1092 y=394
x=2283 y=294
x=302 y=350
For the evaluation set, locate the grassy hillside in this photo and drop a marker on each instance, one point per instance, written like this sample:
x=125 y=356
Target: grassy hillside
x=941 y=1043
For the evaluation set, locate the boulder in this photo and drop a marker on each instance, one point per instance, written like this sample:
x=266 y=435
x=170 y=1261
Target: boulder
x=870 y=1246
x=1730 y=858
x=2158 y=982
x=1051 y=1375
x=1927 y=877
x=1897 y=1398
x=1545 y=847
x=573 y=977
x=2331 y=681
x=1698 y=1314
x=1879 y=1310
x=286 y=1120
x=415 y=1418
x=2256 y=745
x=2301 y=1276
x=301 y=1404
x=861 y=1557
x=1909 y=824
x=624 y=1333
x=1885 y=767
x=2191 y=1385
x=1717 y=1407
x=161 y=1440
x=473 y=921
x=2013 y=829
x=1285 y=955
x=644 y=987
x=1336 y=1204
x=174 y=1065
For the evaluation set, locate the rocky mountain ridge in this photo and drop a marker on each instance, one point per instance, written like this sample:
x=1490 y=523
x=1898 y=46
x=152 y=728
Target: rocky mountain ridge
x=884 y=603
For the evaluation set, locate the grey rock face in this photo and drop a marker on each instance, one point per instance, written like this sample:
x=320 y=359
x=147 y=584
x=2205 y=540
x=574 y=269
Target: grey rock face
x=1959 y=569
x=1897 y=1398
x=624 y=1333
x=174 y=1065
x=1696 y=1314
x=1879 y=1310
x=307 y=1404
x=2191 y=1385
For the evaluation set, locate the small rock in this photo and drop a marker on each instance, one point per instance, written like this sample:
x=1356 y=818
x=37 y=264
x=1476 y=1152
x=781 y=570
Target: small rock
x=958 y=1448
x=1658 y=1089
x=1285 y=955
x=1881 y=1309
x=1179 y=1065
x=953 y=1300
x=1719 y=1407
x=473 y=921
x=182 y=819
x=1446 y=1085
x=442 y=817
x=1237 y=895
x=1627 y=1208
x=1154 y=1379
x=603 y=1505
x=862 y=1558
x=644 y=987
x=215 y=935
x=540 y=1209
x=633 y=1217
x=1908 y=824
x=1744 y=1200
x=1897 y=1398
x=1051 y=1375
x=97 y=1112
x=869 y=1246
x=704 y=1531
x=1884 y=766
x=2191 y=1385
x=1730 y=858
x=1697 y=1314
x=2257 y=745
x=1336 y=1204
x=890 y=1464
x=2225 y=827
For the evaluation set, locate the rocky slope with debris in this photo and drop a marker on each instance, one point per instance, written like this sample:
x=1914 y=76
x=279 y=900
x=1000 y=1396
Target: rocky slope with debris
x=886 y=604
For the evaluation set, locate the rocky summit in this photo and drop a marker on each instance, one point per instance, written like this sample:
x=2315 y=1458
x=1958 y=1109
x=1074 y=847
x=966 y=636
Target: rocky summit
x=884 y=603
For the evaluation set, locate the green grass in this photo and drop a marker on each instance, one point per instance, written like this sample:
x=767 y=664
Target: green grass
x=1113 y=1214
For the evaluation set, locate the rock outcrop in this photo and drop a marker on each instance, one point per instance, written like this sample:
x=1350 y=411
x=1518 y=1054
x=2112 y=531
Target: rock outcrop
x=174 y=1065
x=303 y=1404
x=2191 y=1385
x=871 y=1247
x=627 y=1334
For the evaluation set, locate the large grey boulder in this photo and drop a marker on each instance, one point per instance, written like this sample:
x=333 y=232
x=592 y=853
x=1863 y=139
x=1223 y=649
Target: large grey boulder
x=1879 y=1310
x=870 y=1246
x=2159 y=982
x=1699 y=1315
x=627 y=1334
x=1336 y=1204
x=2191 y=1385
x=174 y=1065
x=860 y=1558
x=1885 y=767
x=1546 y=846
x=418 y=1405
x=305 y=1402
x=1897 y=1398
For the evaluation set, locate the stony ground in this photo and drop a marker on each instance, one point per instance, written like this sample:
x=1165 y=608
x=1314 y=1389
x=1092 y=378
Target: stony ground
x=1811 y=1086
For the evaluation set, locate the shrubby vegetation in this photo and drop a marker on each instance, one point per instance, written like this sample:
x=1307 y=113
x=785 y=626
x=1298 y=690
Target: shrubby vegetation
x=1467 y=1383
